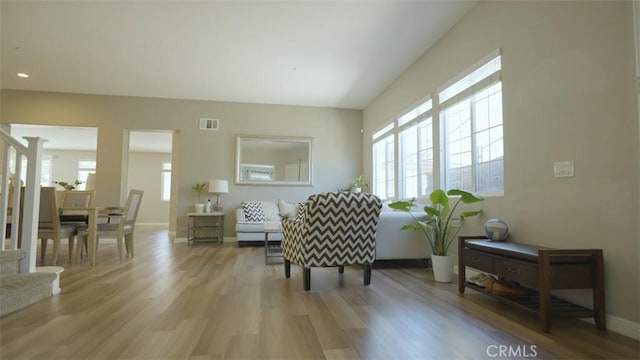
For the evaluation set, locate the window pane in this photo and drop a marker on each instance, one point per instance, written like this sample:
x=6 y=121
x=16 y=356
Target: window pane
x=166 y=186
x=84 y=168
x=86 y=164
x=489 y=176
x=425 y=156
x=383 y=167
x=473 y=137
x=482 y=114
x=495 y=106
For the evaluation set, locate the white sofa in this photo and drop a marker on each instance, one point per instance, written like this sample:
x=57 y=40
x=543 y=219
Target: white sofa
x=391 y=242
x=248 y=232
x=395 y=244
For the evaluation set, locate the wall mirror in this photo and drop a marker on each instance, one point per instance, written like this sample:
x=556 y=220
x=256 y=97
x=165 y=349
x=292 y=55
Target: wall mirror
x=262 y=160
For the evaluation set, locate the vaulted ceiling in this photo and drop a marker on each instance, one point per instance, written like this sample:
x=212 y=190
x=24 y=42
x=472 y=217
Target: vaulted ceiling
x=313 y=53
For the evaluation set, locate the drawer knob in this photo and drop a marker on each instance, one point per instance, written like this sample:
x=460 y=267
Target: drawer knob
x=476 y=259
x=512 y=269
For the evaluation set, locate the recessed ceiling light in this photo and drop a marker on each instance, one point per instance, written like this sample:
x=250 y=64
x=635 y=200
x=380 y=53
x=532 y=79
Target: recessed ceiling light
x=23 y=75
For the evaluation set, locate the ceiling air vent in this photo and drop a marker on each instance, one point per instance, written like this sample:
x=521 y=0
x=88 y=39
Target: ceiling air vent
x=209 y=124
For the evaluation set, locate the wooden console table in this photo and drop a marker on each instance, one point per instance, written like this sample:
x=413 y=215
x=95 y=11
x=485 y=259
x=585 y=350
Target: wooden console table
x=540 y=269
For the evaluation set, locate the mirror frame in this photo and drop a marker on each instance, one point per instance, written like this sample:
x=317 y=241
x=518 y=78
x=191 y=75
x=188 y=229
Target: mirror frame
x=292 y=139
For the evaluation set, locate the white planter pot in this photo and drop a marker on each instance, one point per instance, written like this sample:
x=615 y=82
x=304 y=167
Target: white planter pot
x=199 y=208
x=443 y=267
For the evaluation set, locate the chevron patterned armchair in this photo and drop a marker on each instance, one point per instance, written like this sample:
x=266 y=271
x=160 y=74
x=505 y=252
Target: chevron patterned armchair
x=338 y=229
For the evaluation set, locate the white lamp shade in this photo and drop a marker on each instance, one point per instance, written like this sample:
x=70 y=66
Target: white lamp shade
x=219 y=186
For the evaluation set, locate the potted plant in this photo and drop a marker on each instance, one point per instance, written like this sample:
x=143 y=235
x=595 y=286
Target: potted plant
x=68 y=186
x=440 y=227
x=357 y=185
x=198 y=188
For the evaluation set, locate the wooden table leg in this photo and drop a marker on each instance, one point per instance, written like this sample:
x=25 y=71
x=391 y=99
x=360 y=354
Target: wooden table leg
x=544 y=310
x=598 y=291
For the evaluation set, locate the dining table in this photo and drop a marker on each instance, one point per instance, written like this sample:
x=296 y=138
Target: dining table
x=92 y=229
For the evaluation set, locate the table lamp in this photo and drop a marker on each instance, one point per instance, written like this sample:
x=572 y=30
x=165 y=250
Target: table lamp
x=218 y=187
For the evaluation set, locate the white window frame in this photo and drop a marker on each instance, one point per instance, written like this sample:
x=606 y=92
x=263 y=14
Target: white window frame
x=84 y=170
x=419 y=116
x=384 y=187
x=465 y=88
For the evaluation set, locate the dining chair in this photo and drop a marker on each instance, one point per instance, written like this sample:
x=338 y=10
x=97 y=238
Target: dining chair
x=49 y=225
x=122 y=231
x=75 y=199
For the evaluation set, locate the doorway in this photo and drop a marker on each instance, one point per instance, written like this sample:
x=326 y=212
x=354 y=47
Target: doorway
x=149 y=168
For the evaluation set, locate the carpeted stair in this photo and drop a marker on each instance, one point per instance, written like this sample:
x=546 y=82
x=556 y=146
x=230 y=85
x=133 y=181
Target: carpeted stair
x=17 y=290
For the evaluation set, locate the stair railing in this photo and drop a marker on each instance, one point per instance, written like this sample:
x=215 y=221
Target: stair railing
x=12 y=152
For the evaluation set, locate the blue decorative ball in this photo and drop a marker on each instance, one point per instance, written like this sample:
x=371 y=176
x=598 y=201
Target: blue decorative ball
x=496 y=230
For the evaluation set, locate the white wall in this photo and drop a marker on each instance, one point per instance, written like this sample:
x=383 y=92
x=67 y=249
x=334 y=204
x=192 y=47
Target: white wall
x=568 y=94
x=198 y=156
x=64 y=164
x=145 y=172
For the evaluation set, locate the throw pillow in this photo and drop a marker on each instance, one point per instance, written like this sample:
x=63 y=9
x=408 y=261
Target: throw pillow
x=287 y=207
x=253 y=211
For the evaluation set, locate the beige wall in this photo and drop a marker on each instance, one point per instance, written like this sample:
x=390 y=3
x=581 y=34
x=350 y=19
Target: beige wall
x=199 y=156
x=145 y=172
x=64 y=164
x=569 y=94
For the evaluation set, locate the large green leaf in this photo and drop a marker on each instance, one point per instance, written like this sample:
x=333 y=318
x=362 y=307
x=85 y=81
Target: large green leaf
x=467 y=214
x=440 y=228
x=439 y=197
x=465 y=196
x=431 y=211
x=410 y=227
x=425 y=224
x=402 y=205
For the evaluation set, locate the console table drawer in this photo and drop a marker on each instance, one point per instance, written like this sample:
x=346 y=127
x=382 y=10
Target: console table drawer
x=478 y=260
x=525 y=274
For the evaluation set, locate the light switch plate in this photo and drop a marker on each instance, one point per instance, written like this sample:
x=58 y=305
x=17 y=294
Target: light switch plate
x=563 y=169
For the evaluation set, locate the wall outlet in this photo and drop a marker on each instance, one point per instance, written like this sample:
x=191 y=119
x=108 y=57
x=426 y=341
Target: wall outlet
x=563 y=169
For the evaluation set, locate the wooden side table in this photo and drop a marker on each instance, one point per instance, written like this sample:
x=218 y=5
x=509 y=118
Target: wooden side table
x=205 y=227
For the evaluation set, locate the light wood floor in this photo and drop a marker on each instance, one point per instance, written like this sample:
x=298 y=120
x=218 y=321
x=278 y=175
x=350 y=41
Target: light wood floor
x=220 y=301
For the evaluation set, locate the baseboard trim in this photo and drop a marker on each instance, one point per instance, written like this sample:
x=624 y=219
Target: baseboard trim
x=620 y=326
x=615 y=324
